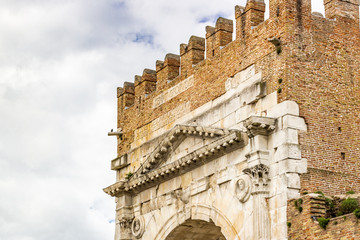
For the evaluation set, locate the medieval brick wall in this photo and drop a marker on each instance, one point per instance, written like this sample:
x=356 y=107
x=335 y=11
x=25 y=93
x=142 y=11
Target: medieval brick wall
x=318 y=66
x=311 y=59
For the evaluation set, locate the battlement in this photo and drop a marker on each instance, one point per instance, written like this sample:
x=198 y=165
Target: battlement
x=167 y=70
x=261 y=118
x=288 y=19
x=289 y=49
x=217 y=37
x=345 y=9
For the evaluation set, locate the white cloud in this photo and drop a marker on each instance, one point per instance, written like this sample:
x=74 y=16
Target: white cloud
x=60 y=64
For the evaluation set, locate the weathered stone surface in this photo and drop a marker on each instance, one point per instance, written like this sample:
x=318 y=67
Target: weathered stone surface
x=192 y=167
x=215 y=147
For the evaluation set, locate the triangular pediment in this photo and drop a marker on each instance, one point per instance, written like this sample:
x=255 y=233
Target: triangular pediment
x=182 y=149
x=179 y=142
x=188 y=145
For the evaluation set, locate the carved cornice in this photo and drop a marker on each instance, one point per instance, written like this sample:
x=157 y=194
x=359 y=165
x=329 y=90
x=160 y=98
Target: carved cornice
x=259 y=125
x=172 y=140
x=115 y=188
x=233 y=140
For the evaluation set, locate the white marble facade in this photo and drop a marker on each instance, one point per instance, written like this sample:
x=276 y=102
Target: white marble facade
x=235 y=162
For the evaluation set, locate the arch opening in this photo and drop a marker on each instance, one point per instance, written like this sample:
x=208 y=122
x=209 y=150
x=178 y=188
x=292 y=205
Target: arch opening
x=196 y=230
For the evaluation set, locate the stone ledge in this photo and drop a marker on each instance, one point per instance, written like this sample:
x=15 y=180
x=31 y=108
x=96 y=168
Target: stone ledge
x=119 y=162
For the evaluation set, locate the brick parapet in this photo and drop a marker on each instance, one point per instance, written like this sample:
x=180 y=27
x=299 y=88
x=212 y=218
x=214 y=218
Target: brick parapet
x=191 y=54
x=318 y=67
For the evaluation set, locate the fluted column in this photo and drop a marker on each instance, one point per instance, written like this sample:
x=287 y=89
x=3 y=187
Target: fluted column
x=260 y=179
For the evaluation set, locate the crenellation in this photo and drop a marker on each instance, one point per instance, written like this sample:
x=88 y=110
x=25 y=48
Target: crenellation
x=127 y=95
x=137 y=80
x=144 y=84
x=289 y=85
x=167 y=70
x=191 y=54
x=240 y=22
x=159 y=65
x=254 y=14
x=218 y=37
x=120 y=99
x=128 y=87
x=197 y=43
x=119 y=91
x=172 y=60
x=248 y=17
x=342 y=9
x=294 y=10
x=148 y=75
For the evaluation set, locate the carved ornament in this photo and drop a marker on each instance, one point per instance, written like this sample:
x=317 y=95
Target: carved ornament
x=259 y=176
x=125 y=224
x=234 y=139
x=243 y=187
x=172 y=141
x=259 y=125
x=138 y=227
x=182 y=196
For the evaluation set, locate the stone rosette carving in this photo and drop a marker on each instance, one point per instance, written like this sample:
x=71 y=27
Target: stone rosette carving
x=243 y=188
x=138 y=227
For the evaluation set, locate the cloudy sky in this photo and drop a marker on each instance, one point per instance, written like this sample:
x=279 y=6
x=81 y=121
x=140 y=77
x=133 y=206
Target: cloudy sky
x=60 y=64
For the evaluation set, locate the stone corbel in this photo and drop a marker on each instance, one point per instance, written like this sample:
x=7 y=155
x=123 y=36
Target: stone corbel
x=256 y=125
